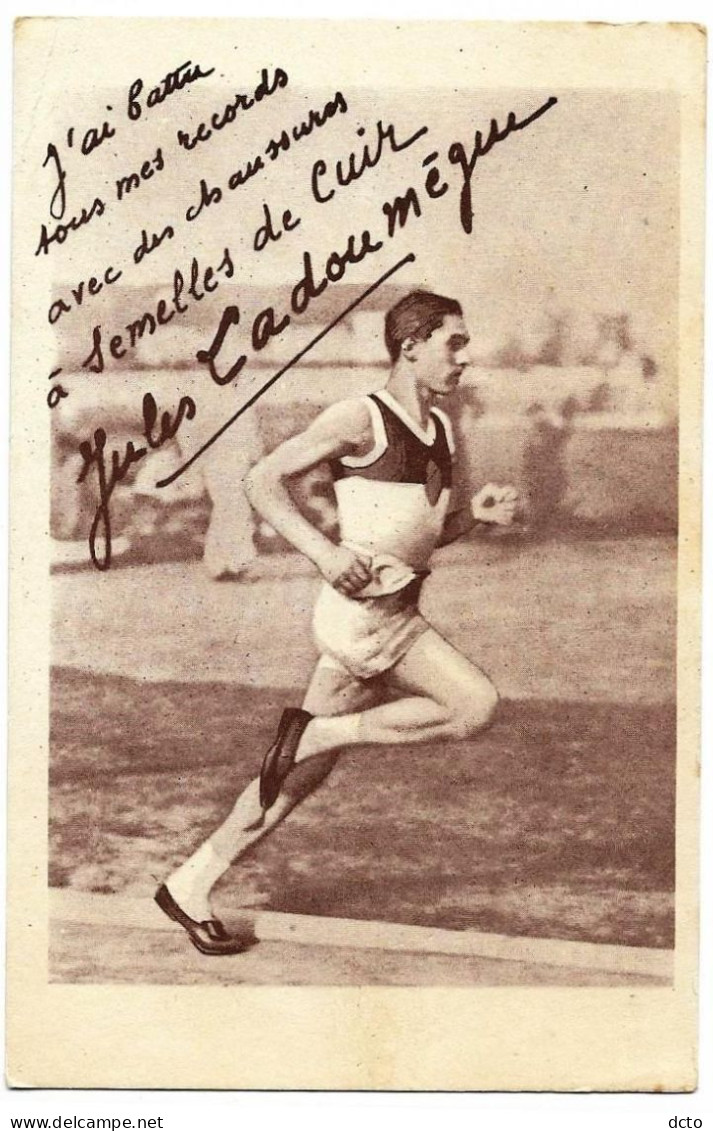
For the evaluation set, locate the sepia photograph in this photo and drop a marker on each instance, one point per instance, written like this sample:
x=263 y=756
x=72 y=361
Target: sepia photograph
x=362 y=456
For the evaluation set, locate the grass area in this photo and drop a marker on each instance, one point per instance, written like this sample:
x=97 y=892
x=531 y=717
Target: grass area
x=559 y=821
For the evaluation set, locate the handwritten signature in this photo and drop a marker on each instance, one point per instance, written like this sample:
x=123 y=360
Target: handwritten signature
x=94 y=456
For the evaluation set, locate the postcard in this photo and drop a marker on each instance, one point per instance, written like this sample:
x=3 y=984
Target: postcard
x=355 y=538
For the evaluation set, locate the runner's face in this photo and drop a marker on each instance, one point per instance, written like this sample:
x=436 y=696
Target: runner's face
x=442 y=358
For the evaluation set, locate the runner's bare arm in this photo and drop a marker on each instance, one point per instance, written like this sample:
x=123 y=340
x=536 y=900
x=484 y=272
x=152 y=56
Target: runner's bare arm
x=342 y=429
x=457 y=524
x=491 y=506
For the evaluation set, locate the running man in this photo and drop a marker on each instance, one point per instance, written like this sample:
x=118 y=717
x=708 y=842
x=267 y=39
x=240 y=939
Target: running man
x=384 y=676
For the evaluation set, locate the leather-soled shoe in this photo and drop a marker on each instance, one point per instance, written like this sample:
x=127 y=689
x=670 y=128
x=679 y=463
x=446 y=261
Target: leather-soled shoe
x=280 y=758
x=208 y=936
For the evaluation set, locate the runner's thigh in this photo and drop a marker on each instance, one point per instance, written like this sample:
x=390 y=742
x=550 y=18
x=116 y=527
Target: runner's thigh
x=335 y=691
x=433 y=667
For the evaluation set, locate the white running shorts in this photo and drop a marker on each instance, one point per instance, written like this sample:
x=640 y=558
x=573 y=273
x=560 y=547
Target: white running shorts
x=370 y=635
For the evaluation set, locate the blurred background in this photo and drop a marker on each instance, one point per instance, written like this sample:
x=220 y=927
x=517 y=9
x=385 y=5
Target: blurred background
x=572 y=409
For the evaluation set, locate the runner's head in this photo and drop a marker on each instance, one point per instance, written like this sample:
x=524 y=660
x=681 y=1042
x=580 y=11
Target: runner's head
x=427 y=331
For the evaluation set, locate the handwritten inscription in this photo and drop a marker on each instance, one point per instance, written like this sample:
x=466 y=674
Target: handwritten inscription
x=192 y=285
x=188 y=72
x=89 y=288
x=221 y=118
x=436 y=174
x=58 y=234
x=138 y=102
x=349 y=169
x=317 y=118
x=146 y=171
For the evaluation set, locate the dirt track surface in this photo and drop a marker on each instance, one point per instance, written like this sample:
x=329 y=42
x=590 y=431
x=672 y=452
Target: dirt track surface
x=111 y=938
x=557 y=822
x=588 y=621
x=89 y=953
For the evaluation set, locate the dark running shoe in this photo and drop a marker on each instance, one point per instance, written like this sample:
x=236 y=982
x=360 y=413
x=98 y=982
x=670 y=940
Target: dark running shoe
x=210 y=936
x=280 y=758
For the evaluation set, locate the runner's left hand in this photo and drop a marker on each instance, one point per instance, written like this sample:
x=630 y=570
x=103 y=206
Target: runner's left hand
x=494 y=504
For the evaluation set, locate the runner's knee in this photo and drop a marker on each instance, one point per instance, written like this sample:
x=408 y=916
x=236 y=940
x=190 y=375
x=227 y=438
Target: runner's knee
x=475 y=712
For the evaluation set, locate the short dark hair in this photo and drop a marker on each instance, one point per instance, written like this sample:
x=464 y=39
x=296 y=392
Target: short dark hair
x=416 y=316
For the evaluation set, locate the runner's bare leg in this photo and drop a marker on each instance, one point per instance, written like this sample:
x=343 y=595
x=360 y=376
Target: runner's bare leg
x=447 y=697
x=331 y=691
x=450 y=698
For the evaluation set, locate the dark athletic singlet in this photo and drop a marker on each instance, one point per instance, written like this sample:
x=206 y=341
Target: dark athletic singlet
x=394 y=499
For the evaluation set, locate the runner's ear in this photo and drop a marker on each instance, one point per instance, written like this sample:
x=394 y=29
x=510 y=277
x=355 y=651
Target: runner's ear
x=409 y=347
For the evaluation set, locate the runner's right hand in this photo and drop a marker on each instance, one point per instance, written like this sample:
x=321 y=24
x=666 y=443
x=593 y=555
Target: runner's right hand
x=346 y=570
